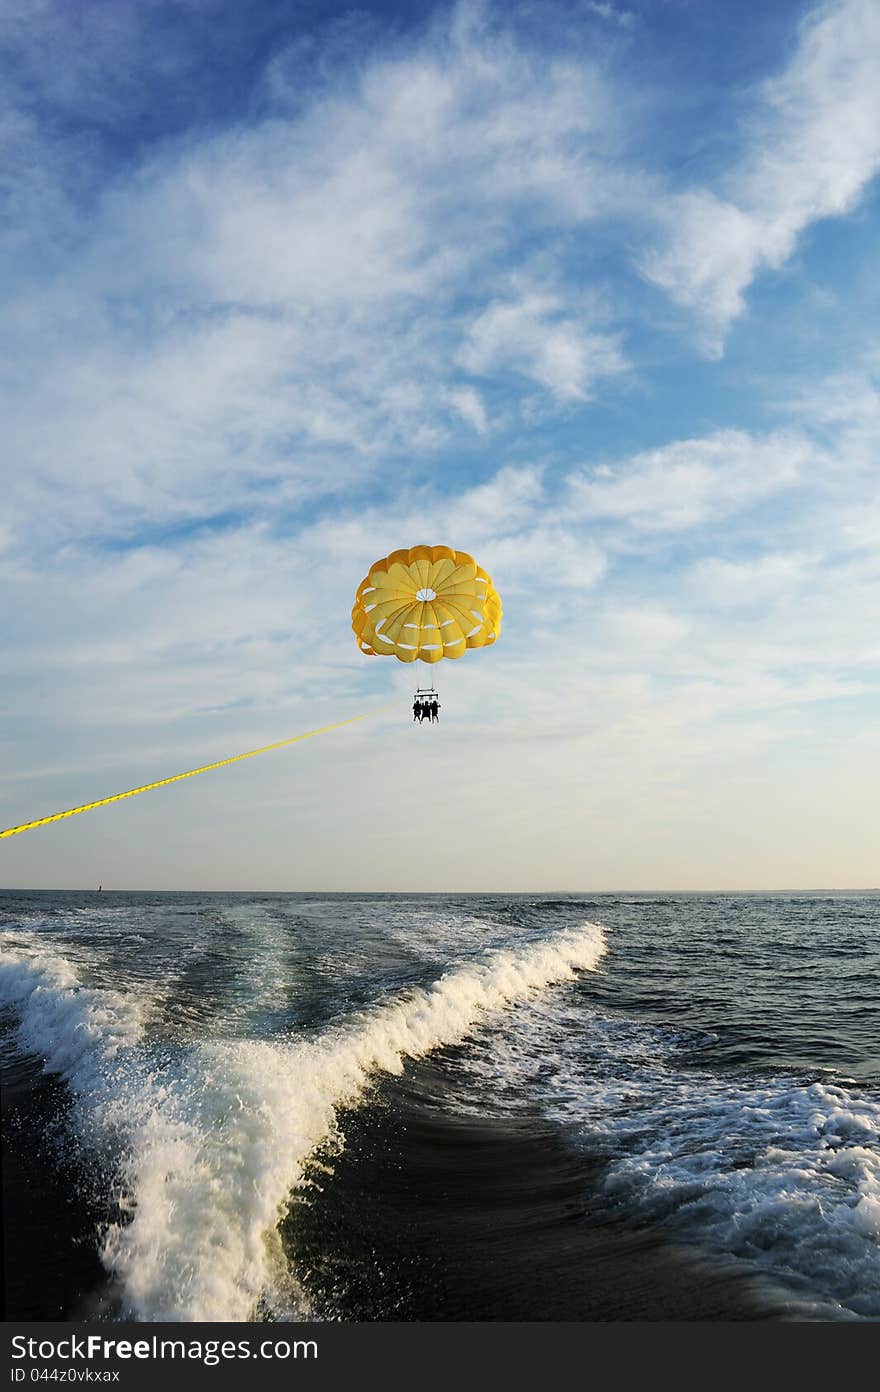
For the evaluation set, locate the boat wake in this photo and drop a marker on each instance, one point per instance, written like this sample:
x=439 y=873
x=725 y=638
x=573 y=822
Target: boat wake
x=209 y=1140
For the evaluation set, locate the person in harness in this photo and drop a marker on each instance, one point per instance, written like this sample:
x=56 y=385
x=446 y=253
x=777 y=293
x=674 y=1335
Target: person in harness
x=426 y=707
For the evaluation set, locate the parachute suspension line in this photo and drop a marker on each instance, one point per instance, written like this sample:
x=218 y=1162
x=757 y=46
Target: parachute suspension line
x=176 y=777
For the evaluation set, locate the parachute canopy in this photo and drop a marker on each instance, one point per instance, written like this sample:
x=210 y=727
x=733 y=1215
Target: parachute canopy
x=429 y=602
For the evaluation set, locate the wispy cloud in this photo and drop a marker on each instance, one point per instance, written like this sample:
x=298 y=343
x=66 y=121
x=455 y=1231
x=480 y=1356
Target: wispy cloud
x=812 y=145
x=617 y=14
x=534 y=337
x=691 y=482
x=316 y=285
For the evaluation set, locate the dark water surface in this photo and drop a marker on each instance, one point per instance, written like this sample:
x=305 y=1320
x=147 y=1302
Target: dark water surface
x=231 y=1106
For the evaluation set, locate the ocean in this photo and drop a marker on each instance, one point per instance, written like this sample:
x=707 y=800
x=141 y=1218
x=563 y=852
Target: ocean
x=440 y=1107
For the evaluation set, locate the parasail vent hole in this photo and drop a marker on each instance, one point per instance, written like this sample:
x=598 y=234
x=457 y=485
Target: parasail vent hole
x=426 y=594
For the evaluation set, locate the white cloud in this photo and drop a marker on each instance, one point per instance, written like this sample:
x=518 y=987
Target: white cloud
x=691 y=482
x=843 y=403
x=761 y=580
x=543 y=562
x=490 y=520
x=625 y=18
x=509 y=498
x=713 y=251
x=269 y=313
x=534 y=337
x=647 y=630
x=812 y=147
x=264 y=313
x=469 y=405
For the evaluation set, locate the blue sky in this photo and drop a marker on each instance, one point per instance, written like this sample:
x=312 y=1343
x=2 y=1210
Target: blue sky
x=589 y=289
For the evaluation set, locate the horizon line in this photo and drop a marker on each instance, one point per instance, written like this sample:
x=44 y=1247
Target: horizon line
x=460 y=893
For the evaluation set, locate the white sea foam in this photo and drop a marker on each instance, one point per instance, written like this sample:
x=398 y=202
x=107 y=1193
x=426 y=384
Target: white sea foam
x=80 y=1032
x=781 y=1174
x=214 y=1144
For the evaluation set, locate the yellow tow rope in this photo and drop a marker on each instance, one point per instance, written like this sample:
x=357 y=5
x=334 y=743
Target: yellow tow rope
x=176 y=777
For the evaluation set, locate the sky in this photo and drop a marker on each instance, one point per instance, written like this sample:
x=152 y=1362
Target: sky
x=589 y=290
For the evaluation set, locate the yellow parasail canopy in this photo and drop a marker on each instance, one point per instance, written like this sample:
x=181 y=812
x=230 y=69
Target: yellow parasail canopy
x=429 y=602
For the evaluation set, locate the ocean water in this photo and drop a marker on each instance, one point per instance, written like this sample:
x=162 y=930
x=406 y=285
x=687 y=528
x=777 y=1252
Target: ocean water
x=256 y=1106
